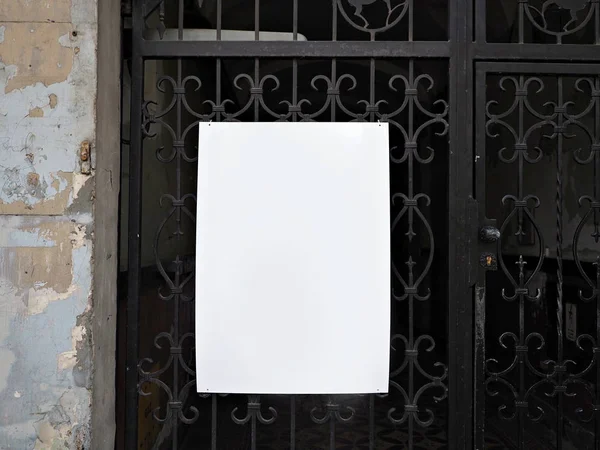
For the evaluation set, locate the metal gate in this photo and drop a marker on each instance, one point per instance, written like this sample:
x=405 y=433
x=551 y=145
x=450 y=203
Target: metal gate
x=494 y=113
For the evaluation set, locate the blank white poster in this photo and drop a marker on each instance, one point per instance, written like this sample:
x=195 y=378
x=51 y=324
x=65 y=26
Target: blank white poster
x=293 y=258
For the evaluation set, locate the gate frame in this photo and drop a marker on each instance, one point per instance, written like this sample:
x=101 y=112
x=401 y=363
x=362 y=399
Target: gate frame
x=465 y=47
x=455 y=51
x=107 y=165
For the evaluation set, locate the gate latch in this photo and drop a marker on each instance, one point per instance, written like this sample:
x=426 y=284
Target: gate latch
x=488 y=234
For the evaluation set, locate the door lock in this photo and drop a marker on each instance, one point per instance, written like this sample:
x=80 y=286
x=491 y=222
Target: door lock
x=489 y=234
x=488 y=261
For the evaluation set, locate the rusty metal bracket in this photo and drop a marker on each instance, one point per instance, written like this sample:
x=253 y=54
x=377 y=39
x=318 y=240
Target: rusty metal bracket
x=85 y=158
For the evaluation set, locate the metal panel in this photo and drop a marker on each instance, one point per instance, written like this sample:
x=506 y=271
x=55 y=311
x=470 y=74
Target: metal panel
x=539 y=126
x=356 y=79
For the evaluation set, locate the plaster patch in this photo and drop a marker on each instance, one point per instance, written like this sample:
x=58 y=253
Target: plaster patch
x=33 y=267
x=22 y=46
x=25 y=237
x=78 y=238
x=50 y=196
x=36 y=112
x=38 y=300
x=61 y=427
x=68 y=359
x=2 y=28
x=79 y=181
x=7 y=73
x=52 y=101
x=36 y=11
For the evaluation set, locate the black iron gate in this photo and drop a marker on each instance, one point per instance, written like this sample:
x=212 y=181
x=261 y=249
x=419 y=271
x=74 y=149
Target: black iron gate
x=494 y=112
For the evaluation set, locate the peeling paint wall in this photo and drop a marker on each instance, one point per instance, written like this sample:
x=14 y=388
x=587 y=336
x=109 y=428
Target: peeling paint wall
x=47 y=109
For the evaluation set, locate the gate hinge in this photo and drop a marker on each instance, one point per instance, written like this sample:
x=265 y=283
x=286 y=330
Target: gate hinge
x=472 y=239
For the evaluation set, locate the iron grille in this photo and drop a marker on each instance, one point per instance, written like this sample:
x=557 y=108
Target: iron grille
x=475 y=120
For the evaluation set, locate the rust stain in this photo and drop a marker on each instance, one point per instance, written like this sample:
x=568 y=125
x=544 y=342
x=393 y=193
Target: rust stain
x=33 y=179
x=53 y=100
x=76 y=50
x=36 y=112
x=22 y=47
x=36 y=11
x=84 y=152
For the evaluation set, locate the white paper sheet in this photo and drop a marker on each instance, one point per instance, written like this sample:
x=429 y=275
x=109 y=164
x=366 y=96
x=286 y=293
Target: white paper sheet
x=293 y=258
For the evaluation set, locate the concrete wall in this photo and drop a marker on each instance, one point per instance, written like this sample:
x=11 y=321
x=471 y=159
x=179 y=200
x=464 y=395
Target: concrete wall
x=48 y=84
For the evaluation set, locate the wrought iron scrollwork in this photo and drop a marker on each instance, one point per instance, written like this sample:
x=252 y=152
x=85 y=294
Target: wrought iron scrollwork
x=413 y=204
x=396 y=11
x=175 y=409
x=559 y=122
x=176 y=116
x=539 y=17
x=371 y=17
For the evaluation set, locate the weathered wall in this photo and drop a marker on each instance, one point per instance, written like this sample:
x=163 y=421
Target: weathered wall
x=47 y=112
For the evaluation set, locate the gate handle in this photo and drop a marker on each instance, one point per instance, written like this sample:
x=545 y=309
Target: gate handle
x=489 y=234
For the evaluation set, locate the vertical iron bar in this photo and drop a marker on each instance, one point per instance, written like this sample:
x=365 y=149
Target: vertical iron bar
x=460 y=188
x=179 y=20
x=253 y=430
x=333 y=86
x=411 y=20
x=597 y=198
x=256 y=84
x=295 y=89
x=596 y=100
x=213 y=423
x=521 y=22
x=218 y=95
x=411 y=319
x=134 y=247
x=178 y=267
x=521 y=356
x=520 y=194
x=295 y=20
x=293 y=422
x=480 y=291
x=334 y=20
x=480 y=22
x=559 y=268
x=372 y=88
x=522 y=140
x=257 y=20
x=219 y=18
x=332 y=433
x=597 y=26
x=371 y=422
